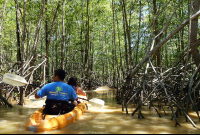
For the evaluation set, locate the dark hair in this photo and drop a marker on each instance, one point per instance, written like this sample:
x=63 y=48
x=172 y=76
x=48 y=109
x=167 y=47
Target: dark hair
x=72 y=81
x=60 y=73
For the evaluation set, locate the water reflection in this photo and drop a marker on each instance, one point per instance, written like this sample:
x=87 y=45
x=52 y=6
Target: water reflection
x=13 y=120
x=108 y=120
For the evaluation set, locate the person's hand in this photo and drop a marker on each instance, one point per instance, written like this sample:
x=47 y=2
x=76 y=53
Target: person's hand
x=75 y=103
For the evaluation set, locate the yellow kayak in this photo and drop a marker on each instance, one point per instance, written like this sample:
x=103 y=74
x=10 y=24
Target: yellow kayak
x=52 y=122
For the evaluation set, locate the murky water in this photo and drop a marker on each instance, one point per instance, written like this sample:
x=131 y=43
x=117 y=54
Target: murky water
x=107 y=120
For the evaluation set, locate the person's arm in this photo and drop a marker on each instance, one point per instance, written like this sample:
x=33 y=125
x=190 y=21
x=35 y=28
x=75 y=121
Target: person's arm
x=73 y=96
x=36 y=96
x=41 y=93
x=80 y=91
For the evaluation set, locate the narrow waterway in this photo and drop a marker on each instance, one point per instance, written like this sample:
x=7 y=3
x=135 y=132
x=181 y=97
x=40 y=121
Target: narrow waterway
x=107 y=120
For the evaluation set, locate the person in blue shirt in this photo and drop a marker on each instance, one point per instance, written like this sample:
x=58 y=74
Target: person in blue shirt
x=58 y=90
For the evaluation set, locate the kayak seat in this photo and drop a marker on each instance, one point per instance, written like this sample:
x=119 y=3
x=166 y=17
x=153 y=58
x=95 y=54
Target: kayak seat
x=56 y=107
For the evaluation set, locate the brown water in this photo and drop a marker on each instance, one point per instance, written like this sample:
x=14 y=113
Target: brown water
x=108 y=120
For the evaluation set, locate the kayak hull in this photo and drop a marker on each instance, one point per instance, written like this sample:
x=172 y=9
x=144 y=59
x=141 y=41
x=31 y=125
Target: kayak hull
x=36 y=123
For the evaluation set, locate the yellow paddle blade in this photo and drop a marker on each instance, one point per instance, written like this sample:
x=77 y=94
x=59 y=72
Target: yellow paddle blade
x=14 y=80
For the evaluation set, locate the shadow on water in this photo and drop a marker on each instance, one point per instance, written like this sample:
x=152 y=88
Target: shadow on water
x=107 y=120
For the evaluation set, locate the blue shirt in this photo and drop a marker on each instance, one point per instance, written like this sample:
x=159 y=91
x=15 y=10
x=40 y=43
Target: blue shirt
x=73 y=87
x=58 y=91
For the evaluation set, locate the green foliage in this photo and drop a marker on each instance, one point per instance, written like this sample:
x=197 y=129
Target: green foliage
x=102 y=46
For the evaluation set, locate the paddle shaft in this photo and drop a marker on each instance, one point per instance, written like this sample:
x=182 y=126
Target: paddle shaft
x=97 y=103
x=83 y=98
x=35 y=85
x=97 y=91
x=17 y=80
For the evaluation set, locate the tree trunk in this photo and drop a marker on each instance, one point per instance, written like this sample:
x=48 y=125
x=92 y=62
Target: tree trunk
x=23 y=35
x=87 y=42
x=2 y=18
x=49 y=40
x=37 y=32
x=114 y=44
x=22 y=94
x=125 y=43
x=128 y=32
x=46 y=38
x=120 y=53
x=18 y=33
x=63 y=38
x=103 y=64
x=82 y=48
x=56 y=49
x=158 y=56
x=193 y=35
x=137 y=45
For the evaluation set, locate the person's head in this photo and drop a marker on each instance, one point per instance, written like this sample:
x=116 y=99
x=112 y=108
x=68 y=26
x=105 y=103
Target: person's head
x=72 y=81
x=59 y=75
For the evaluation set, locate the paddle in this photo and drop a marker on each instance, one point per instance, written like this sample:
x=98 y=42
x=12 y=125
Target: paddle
x=103 y=89
x=94 y=102
x=15 y=80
